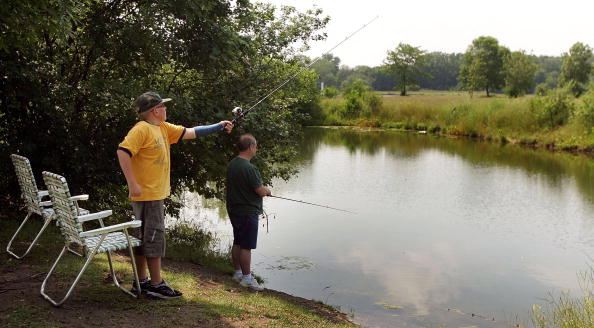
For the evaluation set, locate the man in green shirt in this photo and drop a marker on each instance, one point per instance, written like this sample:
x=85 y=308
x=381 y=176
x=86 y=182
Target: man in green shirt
x=244 y=205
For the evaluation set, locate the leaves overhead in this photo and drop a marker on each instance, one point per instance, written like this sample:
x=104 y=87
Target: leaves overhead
x=71 y=70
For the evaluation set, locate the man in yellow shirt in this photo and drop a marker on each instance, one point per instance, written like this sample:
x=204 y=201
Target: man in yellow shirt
x=145 y=160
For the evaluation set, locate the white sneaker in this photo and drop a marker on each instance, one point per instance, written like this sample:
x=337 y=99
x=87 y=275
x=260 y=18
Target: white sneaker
x=251 y=283
x=237 y=276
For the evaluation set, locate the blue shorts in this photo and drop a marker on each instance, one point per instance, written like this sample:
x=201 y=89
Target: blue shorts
x=245 y=230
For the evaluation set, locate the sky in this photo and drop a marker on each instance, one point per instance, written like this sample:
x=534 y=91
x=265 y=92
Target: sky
x=539 y=27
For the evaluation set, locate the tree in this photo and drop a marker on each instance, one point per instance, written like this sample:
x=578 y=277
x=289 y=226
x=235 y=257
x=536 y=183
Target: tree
x=71 y=70
x=519 y=70
x=358 y=73
x=548 y=71
x=482 y=66
x=406 y=63
x=576 y=68
x=327 y=69
x=382 y=80
x=442 y=69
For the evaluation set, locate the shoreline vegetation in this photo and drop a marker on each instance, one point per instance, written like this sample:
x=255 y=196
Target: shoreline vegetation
x=554 y=121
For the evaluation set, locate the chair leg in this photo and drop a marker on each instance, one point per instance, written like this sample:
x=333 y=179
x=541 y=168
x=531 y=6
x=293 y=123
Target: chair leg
x=134 y=269
x=113 y=273
x=45 y=225
x=133 y=261
x=87 y=262
x=75 y=252
x=115 y=279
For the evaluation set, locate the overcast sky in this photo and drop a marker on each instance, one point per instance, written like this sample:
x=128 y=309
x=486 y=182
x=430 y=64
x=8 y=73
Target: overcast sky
x=540 y=27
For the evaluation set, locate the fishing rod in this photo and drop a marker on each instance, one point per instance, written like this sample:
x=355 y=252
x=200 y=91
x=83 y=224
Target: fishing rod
x=239 y=113
x=300 y=201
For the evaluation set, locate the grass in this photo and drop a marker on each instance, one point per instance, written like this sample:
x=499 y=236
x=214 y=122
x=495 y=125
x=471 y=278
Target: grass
x=496 y=118
x=565 y=311
x=193 y=244
x=211 y=299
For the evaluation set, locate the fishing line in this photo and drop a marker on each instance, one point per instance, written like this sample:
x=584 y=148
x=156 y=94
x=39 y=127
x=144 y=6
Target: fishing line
x=300 y=201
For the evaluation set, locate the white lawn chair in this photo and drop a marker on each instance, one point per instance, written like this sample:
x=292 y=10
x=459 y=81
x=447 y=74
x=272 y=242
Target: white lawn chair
x=100 y=240
x=32 y=198
x=33 y=201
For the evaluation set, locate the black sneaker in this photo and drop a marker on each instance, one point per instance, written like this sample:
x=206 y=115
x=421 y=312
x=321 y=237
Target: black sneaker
x=144 y=286
x=163 y=291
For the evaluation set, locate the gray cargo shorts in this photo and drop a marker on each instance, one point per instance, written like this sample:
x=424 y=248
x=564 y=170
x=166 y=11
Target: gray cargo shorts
x=152 y=231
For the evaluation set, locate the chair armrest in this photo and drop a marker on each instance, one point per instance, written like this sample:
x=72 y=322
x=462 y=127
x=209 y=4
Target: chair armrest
x=43 y=193
x=94 y=216
x=112 y=228
x=79 y=197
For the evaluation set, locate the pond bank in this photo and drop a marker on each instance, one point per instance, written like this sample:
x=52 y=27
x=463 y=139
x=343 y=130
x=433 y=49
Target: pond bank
x=211 y=299
x=556 y=122
x=534 y=143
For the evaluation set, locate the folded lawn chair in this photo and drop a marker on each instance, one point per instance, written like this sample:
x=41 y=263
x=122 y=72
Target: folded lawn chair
x=100 y=240
x=33 y=200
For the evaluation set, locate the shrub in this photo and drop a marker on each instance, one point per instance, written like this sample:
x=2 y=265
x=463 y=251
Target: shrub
x=372 y=103
x=190 y=243
x=541 y=89
x=353 y=95
x=330 y=92
x=584 y=114
x=553 y=109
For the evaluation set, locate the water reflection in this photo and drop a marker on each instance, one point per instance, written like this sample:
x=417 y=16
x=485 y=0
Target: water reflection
x=555 y=166
x=449 y=232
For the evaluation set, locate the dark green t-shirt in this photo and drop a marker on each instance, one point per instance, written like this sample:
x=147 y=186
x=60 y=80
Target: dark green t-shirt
x=242 y=180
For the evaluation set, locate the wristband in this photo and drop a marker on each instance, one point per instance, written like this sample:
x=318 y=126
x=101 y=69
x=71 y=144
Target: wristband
x=204 y=130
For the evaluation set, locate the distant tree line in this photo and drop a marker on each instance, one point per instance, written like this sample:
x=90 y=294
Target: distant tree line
x=485 y=66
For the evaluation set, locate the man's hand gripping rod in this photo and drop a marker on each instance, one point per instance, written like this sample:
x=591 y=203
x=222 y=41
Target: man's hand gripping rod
x=239 y=113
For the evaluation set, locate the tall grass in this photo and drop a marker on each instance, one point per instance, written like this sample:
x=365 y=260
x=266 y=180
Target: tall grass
x=192 y=243
x=554 y=120
x=568 y=312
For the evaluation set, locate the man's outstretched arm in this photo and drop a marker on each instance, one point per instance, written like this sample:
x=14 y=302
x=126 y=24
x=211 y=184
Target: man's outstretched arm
x=203 y=130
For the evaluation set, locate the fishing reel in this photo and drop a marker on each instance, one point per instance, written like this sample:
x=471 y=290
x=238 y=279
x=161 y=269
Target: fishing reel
x=237 y=112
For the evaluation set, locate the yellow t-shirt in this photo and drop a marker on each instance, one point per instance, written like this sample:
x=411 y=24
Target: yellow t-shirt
x=148 y=146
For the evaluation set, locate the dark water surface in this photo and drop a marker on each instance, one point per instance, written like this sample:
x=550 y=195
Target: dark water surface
x=449 y=232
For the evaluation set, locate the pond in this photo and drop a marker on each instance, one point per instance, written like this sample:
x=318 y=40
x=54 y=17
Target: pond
x=447 y=231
